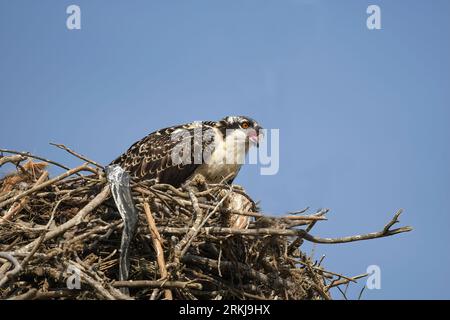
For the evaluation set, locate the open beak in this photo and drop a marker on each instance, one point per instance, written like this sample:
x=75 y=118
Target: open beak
x=256 y=135
x=254 y=139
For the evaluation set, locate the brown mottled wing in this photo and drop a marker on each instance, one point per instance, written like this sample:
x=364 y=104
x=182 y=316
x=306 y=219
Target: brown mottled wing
x=151 y=157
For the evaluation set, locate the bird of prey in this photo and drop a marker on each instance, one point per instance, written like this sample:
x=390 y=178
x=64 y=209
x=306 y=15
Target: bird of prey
x=213 y=149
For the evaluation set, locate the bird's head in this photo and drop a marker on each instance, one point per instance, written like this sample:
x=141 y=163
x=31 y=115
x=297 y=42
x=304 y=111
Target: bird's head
x=242 y=128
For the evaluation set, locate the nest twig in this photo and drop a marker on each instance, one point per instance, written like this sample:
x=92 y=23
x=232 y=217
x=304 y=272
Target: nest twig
x=191 y=243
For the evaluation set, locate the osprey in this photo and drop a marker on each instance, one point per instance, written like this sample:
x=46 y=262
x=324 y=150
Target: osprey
x=213 y=149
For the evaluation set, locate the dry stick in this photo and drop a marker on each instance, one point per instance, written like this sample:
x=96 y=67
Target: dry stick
x=317 y=283
x=28 y=257
x=233 y=188
x=92 y=278
x=93 y=283
x=296 y=232
x=96 y=232
x=234 y=266
x=295 y=223
x=319 y=287
x=181 y=247
x=45 y=184
x=56 y=294
x=182 y=202
x=320 y=270
x=299 y=241
x=17 y=268
x=235 y=231
x=30 y=294
x=393 y=221
x=380 y=234
x=211 y=187
x=155 y=294
x=61 y=146
x=41 y=239
x=345 y=280
x=157 y=244
x=157 y=284
x=29 y=155
x=77 y=219
x=197 y=228
x=340 y=280
x=13 y=211
x=299 y=211
x=19 y=207
x=221 y=286
x=12 y=159
x=7 y=195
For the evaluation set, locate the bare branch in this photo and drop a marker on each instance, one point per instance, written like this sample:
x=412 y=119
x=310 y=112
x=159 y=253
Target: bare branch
x=45 y=184
x=157 y=284
x=61 y=146
x=11 y=159
x=157 y=244
x=29 y=155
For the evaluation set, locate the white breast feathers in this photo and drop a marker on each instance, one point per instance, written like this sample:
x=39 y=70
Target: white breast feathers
x=226 y=159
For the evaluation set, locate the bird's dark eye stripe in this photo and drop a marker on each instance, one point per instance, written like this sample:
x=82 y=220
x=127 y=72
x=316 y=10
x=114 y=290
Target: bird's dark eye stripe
x=234 y=125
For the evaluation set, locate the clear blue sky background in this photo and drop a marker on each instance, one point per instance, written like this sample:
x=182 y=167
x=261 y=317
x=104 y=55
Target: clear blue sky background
x=363 y=115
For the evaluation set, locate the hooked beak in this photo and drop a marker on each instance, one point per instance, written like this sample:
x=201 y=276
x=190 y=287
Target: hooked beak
x=256 y=135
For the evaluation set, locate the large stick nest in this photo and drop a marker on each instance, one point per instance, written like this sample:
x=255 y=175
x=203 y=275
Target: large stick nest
x=199 y=242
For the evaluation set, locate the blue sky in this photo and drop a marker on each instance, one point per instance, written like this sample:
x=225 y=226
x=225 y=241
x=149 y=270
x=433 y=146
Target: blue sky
x=363 y=114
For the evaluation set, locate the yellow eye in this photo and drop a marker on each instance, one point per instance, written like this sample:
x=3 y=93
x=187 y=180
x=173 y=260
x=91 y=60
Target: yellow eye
x=245 y=125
